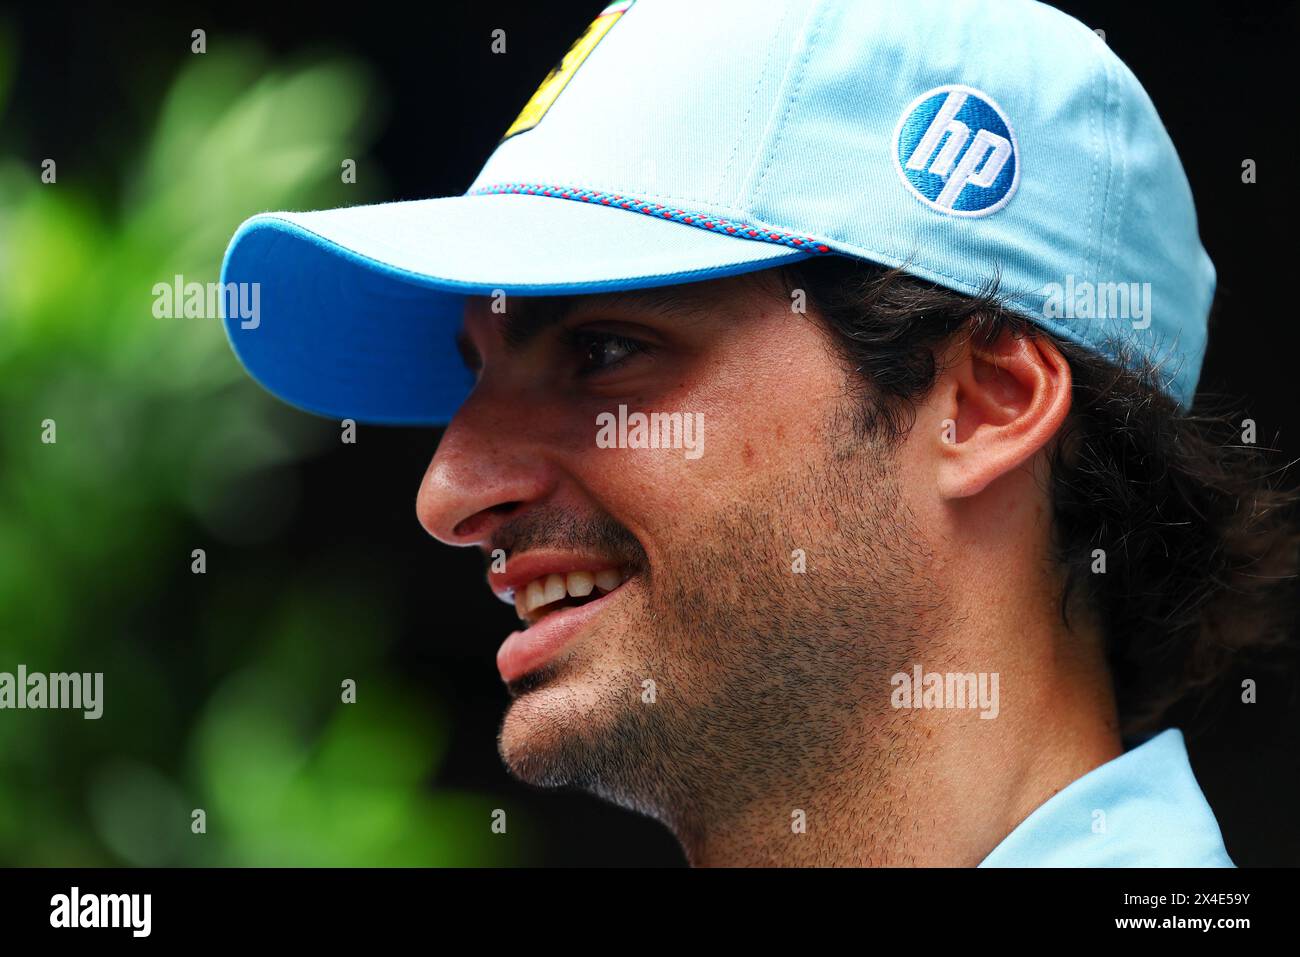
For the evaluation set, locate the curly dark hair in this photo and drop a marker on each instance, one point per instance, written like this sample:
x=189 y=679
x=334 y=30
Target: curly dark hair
x=1201 y=535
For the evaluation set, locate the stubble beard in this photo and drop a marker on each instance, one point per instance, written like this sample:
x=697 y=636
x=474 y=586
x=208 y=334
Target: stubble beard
x=770 y=687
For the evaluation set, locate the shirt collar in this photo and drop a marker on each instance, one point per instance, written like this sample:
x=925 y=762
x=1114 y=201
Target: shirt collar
x=1141 y=809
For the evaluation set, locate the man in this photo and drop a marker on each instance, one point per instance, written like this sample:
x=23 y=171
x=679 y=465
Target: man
x=824 y=416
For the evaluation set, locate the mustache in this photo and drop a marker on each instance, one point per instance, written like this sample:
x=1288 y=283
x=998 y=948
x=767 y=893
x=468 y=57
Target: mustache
x=560 y=530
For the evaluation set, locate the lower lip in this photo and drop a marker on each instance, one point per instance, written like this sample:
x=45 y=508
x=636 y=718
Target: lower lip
x=531 y=648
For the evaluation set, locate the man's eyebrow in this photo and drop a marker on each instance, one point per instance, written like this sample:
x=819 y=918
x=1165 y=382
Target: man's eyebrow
x=526 y=317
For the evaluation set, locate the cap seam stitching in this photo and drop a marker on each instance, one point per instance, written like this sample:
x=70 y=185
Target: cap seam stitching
x=753 y=93
x=1108 y=168
x=1096 y=160
x=810 y=32
x=1121 y=190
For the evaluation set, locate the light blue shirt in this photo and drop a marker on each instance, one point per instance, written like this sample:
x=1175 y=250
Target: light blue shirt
x=1141 y=809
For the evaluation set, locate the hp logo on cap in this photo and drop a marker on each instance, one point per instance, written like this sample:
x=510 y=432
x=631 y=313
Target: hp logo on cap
x=956 y=152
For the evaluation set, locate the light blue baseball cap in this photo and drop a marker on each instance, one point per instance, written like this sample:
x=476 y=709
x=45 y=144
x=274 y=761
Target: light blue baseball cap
x=677 y=141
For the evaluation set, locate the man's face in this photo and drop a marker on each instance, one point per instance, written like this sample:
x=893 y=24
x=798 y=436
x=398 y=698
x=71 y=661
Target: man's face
x=767 y=587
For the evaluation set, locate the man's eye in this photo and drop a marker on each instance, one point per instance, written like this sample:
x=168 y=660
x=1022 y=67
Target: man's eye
x=604 y=350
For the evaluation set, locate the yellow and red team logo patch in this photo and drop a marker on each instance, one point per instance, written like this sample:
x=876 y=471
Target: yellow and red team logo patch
x=559 y=77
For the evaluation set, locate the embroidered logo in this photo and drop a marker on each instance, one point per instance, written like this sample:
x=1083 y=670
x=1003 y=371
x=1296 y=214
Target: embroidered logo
x=563 y=71
x=956 y=151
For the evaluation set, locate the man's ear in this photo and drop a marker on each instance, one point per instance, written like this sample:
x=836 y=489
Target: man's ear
x=1006 y=399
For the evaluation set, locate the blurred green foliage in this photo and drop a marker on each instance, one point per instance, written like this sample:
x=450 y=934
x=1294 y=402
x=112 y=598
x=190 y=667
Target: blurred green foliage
x=160 y=434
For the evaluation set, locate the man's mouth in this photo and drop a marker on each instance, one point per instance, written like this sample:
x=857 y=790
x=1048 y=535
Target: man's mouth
x=557 y=595
x=549 y=593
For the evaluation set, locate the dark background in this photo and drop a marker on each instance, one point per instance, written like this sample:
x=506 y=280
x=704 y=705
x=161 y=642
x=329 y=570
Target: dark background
x=1220 y=74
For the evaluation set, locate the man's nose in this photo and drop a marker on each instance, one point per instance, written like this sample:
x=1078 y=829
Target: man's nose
x=487 y=468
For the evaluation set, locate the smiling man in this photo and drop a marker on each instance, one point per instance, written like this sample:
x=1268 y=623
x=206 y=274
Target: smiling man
x=950 y=546
x=770 y=685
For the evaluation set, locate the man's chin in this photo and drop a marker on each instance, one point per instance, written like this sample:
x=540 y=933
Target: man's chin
x=551 y=726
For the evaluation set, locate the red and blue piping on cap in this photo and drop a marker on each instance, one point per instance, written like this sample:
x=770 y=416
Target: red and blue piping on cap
x=699 y=220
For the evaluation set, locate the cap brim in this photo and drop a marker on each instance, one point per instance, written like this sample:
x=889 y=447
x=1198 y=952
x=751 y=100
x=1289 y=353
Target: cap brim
x=355 y=311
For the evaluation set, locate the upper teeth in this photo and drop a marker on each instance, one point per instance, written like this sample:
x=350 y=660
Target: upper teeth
x=551 y=588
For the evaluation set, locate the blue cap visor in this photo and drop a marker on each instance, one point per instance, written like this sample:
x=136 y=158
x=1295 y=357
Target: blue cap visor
x=357 y=309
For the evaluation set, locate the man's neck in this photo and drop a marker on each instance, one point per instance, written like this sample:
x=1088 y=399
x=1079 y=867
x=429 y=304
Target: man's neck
x=930 y=786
